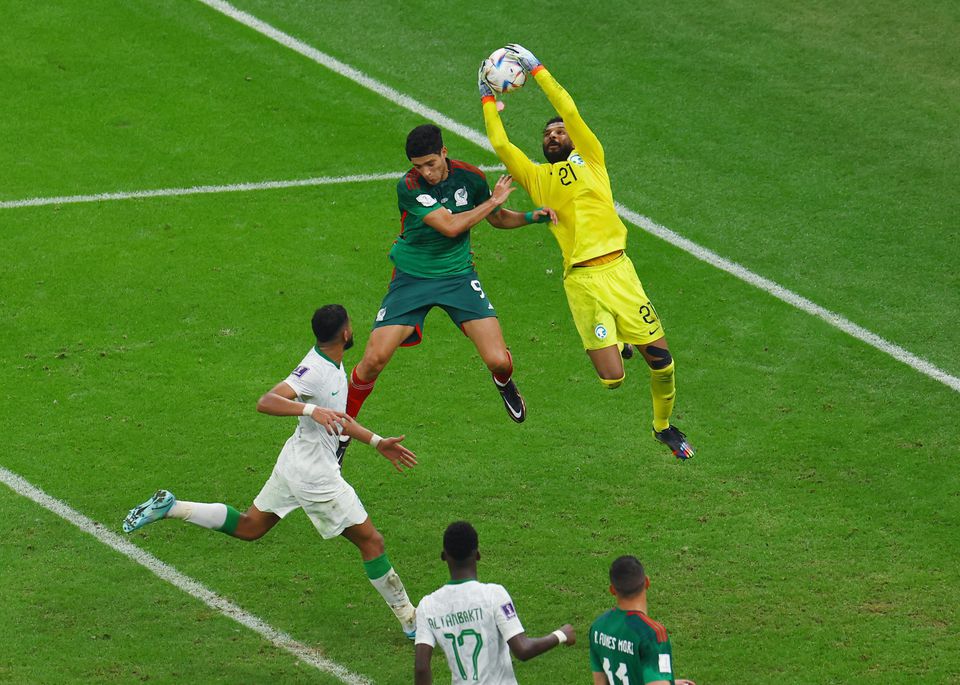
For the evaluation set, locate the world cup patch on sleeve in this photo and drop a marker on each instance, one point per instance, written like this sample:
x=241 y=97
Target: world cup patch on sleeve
x=665 y=664
x=508 y=610
x=299 y=371
x=426 y=200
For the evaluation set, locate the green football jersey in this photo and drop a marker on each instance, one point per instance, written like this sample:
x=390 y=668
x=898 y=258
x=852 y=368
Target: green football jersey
x=423 y=251
x=630 y=648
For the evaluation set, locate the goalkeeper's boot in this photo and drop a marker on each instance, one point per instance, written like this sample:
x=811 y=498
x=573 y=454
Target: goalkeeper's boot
x=512 y=400
x=152 y=510
x=673 y=438
x=342 y=448
x=627 y=351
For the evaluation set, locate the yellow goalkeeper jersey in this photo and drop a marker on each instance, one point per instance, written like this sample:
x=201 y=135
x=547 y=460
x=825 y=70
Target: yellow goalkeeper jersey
x=578 y=189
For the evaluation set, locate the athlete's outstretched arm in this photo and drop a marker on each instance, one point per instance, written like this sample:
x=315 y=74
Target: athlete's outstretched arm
x=584 y=140
x=525 y=648
x=397 y=454
x=508 y=218
x=452 y=225
x=518 y=164
x=281 y=400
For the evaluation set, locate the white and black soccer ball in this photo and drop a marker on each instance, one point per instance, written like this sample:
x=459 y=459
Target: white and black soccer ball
x=502 y=72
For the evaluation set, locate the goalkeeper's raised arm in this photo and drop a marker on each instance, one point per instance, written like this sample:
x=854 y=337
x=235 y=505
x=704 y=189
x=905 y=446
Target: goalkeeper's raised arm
x=518 y=164
x=587 y=144
x=609 y=306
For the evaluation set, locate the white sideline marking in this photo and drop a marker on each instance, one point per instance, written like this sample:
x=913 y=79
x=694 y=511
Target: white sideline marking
x=790 y=297
x=168 y=573
x=199 y=190
x=633 y=217
x=349 y=72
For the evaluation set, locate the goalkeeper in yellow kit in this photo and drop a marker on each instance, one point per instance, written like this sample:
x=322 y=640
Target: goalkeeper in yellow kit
x=606 y=298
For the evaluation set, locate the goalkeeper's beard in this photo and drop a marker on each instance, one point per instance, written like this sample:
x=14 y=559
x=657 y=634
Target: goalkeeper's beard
x=558 y=153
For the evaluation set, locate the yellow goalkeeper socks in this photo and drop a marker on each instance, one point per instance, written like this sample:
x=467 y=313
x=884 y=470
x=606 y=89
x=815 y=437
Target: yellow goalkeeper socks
x=663 y=390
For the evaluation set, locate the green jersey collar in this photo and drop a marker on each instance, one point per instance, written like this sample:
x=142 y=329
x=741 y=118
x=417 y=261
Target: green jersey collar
x=462 y=581
x=320 y=352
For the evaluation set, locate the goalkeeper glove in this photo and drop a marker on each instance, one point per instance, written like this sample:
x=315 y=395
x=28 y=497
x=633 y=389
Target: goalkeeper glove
x=526 y=58
x=482 y=84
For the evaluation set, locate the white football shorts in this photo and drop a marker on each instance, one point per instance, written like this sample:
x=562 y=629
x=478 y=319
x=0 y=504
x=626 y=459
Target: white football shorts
x=330 y=516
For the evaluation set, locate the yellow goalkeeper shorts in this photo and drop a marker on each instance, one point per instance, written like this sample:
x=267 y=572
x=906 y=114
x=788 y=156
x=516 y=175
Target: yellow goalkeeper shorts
x=609 y=306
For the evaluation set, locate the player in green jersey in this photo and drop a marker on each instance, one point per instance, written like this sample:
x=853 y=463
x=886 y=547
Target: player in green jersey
x=440 y=200
x=627 y=647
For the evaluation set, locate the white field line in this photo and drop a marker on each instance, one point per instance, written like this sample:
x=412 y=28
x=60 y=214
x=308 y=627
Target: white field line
x=199 y=190
x=633 y=217
x=790 y=297
x=166 y=572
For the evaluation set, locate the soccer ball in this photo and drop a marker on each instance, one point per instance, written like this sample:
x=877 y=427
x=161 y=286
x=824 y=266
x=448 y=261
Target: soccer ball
x=503 y=72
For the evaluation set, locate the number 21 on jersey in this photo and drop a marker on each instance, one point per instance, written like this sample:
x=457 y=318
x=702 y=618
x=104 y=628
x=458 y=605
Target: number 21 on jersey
x=567 y=174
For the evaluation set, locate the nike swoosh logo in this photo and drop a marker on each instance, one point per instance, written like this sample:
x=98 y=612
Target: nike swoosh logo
x=334 y=394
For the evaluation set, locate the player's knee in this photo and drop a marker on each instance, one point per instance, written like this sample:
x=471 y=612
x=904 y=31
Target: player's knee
x=371 y=365
x=499 y=363
x=658 y=358
x=612 y=383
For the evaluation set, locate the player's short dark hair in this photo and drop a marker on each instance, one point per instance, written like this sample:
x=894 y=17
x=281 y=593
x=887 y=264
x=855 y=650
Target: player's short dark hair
x=424 y=140
x=554 y=120
x=460 y=540
x=328 y=321
x=627 y=576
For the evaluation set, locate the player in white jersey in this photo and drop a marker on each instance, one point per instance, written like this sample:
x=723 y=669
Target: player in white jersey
x=307 y=473
x=474 y=623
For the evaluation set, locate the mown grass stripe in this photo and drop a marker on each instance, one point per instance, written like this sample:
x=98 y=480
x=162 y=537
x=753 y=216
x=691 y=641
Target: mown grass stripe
x=628 y=214
x=183 y=582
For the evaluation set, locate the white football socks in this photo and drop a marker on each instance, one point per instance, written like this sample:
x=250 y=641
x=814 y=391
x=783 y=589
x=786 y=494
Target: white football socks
x=394 y=594
x=202 y=514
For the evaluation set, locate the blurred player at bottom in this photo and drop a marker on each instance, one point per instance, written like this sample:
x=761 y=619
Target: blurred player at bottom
x=626 y=645
x=307 y=473
x=475 y=623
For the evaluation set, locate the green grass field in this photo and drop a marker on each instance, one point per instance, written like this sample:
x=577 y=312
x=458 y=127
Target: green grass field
x=814 y=538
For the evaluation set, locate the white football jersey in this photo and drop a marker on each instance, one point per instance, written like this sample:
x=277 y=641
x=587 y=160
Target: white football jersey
x=471 y=621
x=309 y=455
